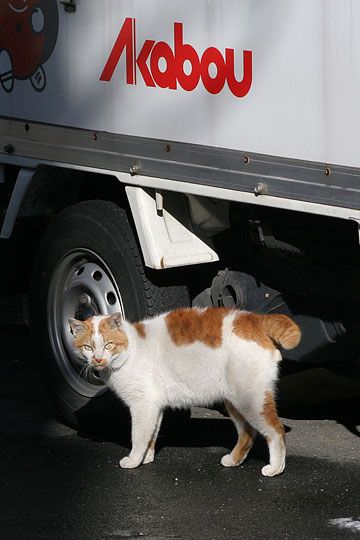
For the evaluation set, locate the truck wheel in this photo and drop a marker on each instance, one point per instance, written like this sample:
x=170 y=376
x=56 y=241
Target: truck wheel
x=88 y=263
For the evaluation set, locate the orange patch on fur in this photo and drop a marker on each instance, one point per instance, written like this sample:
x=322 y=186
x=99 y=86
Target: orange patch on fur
x=267 y=330
x=86 y=336
x=186 y=326
x=151 y=445
x=270 y=414
x=118 y=337
x=245 y=440
x=140 y=328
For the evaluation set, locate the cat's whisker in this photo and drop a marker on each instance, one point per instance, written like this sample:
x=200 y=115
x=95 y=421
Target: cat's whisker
x=83 y=368
x=83 y=371
x=87 y=372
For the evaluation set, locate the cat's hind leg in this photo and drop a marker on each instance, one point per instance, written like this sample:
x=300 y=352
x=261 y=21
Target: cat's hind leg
x=144 y=419
x=150 y=454
x=274 y=434
x=266 y=421
x=246 y=437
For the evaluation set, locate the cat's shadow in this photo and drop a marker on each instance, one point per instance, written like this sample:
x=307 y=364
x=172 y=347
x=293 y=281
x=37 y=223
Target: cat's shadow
x=311 y=394
x=179 y=429
x=320 y=393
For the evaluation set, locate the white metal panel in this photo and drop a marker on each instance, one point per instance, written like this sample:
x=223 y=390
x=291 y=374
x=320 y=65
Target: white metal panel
x=304 y=101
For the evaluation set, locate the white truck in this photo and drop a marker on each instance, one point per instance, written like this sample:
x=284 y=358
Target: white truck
x=159 y=154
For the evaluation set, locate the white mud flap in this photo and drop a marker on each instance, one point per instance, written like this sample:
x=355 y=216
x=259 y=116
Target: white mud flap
x=166 y=241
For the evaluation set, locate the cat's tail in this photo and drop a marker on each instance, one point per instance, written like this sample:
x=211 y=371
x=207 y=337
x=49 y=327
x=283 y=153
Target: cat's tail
x=282 y=330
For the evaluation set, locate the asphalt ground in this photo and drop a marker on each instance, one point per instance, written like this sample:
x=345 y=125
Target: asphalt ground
x=56 y=483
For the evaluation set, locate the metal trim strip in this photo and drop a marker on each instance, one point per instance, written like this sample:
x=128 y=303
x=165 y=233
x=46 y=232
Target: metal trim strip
x=215 y=167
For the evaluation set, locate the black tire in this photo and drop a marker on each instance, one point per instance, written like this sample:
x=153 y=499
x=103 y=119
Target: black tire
x=98 y=233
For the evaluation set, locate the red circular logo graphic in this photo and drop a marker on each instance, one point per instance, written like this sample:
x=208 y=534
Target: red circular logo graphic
x=28 y=34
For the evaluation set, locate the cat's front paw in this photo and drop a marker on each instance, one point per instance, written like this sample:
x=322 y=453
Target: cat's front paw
x=129 y=463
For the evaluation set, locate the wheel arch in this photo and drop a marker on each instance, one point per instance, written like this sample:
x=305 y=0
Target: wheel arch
x=87 y=238
x=31 y=209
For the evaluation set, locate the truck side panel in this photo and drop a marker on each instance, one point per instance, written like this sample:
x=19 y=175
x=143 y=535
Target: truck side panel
x=273 y=77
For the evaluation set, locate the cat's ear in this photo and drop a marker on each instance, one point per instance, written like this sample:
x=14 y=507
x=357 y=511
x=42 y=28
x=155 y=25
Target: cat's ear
x=115 y=321
x=77 y=327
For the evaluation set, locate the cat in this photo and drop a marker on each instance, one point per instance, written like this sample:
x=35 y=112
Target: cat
x=191 y=357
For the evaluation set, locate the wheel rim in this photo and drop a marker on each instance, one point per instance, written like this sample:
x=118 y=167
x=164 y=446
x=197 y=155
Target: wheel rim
x=82 y=285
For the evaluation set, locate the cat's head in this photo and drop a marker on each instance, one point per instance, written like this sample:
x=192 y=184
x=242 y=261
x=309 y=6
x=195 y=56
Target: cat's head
x=100 y=340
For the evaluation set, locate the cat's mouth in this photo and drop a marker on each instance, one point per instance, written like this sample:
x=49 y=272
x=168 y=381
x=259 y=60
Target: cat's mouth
x=99 y=366
x=101 y=373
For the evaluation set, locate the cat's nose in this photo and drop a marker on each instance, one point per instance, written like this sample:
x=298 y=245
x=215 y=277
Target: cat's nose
x=99 y=363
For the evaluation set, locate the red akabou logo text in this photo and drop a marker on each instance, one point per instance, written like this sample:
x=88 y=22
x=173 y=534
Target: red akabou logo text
x=152 y=57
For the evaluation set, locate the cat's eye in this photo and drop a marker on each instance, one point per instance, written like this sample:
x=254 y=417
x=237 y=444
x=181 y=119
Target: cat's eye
x=88 y=348
x=109 y=346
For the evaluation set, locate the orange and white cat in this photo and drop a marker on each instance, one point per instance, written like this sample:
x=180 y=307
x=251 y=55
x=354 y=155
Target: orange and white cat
x=192 y=357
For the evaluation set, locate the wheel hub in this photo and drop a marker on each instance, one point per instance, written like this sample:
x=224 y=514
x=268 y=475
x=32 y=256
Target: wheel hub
x=86 y=309
x=82 y=286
